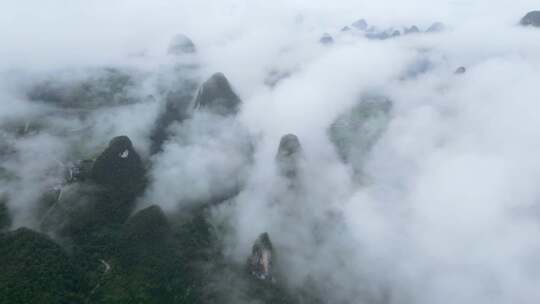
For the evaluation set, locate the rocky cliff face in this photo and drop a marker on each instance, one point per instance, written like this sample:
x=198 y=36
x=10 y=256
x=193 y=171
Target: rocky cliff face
x=260 y=261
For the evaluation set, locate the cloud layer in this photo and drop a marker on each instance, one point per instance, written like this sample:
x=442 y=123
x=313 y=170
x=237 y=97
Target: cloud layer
x=446 y=210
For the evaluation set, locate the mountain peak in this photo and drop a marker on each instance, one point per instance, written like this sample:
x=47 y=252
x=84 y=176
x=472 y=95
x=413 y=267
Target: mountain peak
x=260 y=261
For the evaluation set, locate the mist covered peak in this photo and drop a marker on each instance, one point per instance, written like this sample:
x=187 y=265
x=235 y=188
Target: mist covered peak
x=360 y=24
x=119 y=166
x=217 y=96
x=289 y=145
x=260 y=261
x=461 y=70
x=288 y=155
x=531 y=18
x=326 y=39
x=436 y=27
x=355 y=132
x=412 y=30
x=181 y=44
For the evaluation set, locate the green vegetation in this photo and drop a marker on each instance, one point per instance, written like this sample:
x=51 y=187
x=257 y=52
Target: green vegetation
x=144 y=260
x=37 y=270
